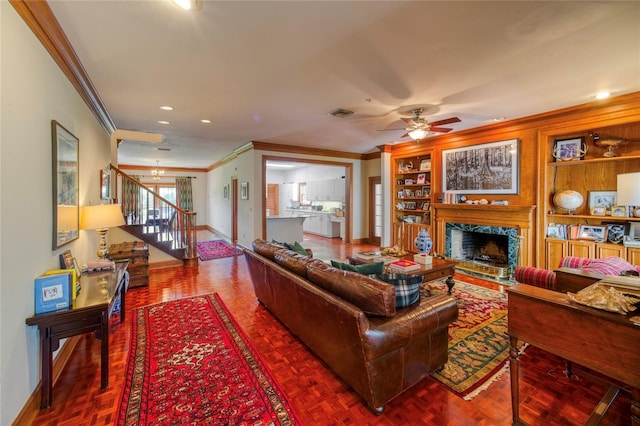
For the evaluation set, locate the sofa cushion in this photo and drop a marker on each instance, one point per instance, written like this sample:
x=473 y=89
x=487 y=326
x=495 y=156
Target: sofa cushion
x=608 y=266
x=266 y=249
x=373 y=296
x=292 y=261
x=407 y=287
x=373 y=268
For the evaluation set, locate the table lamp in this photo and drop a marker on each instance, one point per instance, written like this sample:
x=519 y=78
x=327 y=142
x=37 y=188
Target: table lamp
x=629 y=192
x=101 y=218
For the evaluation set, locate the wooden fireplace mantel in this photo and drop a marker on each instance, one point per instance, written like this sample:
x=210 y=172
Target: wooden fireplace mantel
x=520 y=217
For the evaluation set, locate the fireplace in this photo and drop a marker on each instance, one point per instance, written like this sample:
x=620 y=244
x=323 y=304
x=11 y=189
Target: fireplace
x=489 y=250
x=505 y=230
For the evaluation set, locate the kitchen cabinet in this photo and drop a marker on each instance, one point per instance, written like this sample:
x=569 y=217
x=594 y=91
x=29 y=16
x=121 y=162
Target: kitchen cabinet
x=326 y=190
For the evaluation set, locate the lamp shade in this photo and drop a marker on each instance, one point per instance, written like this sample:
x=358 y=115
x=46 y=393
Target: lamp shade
x=101 y=217
x=629 y=189
x=418 y=134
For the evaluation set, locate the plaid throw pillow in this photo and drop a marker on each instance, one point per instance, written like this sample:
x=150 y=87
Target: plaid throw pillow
x=407 y=287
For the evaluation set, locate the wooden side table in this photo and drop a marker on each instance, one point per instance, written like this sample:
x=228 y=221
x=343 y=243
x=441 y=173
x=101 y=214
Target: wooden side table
x=90 y=313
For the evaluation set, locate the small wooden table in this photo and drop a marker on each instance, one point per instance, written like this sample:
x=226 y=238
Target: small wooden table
x=438 y=268
x=90 y=313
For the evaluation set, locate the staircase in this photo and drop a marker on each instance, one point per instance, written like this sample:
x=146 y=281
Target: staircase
x=156 y=220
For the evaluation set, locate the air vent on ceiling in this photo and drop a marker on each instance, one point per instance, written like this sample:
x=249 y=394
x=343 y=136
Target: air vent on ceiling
x=164 y=149
x=340 y=113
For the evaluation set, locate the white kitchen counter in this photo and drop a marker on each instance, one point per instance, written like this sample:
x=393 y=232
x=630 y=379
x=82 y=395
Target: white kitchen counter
x=286 y=229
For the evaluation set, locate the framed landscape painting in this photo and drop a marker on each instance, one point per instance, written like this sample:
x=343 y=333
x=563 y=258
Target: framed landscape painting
x=490 y=168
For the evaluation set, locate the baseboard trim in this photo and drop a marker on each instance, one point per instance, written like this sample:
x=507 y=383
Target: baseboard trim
x=31 y=408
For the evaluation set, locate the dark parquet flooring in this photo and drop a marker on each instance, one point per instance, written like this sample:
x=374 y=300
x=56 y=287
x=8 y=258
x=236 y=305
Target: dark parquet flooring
x=319 y=396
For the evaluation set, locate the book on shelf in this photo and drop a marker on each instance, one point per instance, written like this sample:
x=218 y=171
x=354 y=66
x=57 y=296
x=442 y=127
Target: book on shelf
x=403 y=265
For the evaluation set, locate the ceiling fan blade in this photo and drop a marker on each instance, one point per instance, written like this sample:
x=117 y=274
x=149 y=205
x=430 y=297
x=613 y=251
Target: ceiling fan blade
x=446 y=121
x=404 y=136
x=440 y=129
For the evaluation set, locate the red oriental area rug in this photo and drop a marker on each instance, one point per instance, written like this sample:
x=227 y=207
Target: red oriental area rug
x=191 y=363
x=216 y=249
x=478 y=343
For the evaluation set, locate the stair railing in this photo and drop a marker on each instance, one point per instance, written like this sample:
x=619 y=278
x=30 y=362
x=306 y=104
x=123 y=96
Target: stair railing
x=157 y=216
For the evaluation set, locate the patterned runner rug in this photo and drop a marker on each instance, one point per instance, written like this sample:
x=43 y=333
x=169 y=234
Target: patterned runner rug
x=190 y=363
x=216 y=249
x=478 y=343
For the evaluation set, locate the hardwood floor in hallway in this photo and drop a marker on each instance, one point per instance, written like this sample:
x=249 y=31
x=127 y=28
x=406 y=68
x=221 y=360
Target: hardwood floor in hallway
x=317 y=394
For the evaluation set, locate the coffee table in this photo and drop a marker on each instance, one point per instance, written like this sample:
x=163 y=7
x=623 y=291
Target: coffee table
x=438 y=268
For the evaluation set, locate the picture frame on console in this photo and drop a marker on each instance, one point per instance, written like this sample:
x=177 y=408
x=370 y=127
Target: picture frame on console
x=491 y=168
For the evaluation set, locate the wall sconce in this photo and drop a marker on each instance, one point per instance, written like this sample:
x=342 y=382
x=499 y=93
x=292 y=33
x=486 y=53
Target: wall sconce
x=101 y=218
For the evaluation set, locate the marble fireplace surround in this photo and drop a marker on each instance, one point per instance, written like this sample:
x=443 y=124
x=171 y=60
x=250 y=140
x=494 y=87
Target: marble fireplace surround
x=519 y=217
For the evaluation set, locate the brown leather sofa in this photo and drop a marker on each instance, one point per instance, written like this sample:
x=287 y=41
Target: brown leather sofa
x=350 y=321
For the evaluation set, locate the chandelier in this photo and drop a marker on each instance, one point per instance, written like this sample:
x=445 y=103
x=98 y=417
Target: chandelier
x=157 y=173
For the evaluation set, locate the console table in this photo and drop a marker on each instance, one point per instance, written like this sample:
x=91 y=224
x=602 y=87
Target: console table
x=600 y=340
x=90 y=313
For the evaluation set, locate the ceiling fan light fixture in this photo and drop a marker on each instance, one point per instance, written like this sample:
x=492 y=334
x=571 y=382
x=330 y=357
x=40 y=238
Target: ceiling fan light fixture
x=417 y=134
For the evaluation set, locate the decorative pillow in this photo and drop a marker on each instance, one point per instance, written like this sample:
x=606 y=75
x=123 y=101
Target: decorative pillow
x=609 y=266
x=407 y=287
x=373 y=268
x=299 y=249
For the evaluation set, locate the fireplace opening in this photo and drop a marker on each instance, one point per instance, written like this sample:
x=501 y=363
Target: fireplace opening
x=488 y=250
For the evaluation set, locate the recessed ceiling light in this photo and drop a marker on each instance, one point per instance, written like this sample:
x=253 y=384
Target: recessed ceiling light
x=205 y=121
x=603 y=95
x=188 y=4
x=499 y=119
x=166 y=108
x=163 y=122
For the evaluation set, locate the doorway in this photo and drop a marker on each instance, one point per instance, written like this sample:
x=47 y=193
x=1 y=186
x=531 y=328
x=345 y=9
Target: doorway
x=375 y=210
x=234 y=211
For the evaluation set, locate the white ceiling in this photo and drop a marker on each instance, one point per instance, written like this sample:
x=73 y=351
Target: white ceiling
x=270 y=71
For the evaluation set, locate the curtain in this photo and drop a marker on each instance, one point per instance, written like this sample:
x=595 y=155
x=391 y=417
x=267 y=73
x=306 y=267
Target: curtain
x=132 y=200
x=184 y=195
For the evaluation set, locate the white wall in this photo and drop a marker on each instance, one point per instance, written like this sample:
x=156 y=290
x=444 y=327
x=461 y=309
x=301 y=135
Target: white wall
x=33 y=92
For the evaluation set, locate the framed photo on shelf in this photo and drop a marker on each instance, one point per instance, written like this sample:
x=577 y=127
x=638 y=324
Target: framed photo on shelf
x=408 y=181
x=633 y=230
x=425 y=165
x=615 y=232
x=555 y=231
x=592 y=232
x=401 y=193
x=422 y=178
x=606 y=199
x=490 y=168
x=619 y=211
x=569 y=149
x=408 y=193
x=426 y=190
x=598 y=211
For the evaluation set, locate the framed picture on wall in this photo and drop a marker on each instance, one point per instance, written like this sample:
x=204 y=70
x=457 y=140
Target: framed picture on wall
x=66 y=161
x=244 y=190
x=490 y=168
x=105 y=184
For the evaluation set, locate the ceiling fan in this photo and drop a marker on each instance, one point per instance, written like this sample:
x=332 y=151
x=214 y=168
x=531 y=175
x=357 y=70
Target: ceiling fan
x=419 y=127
